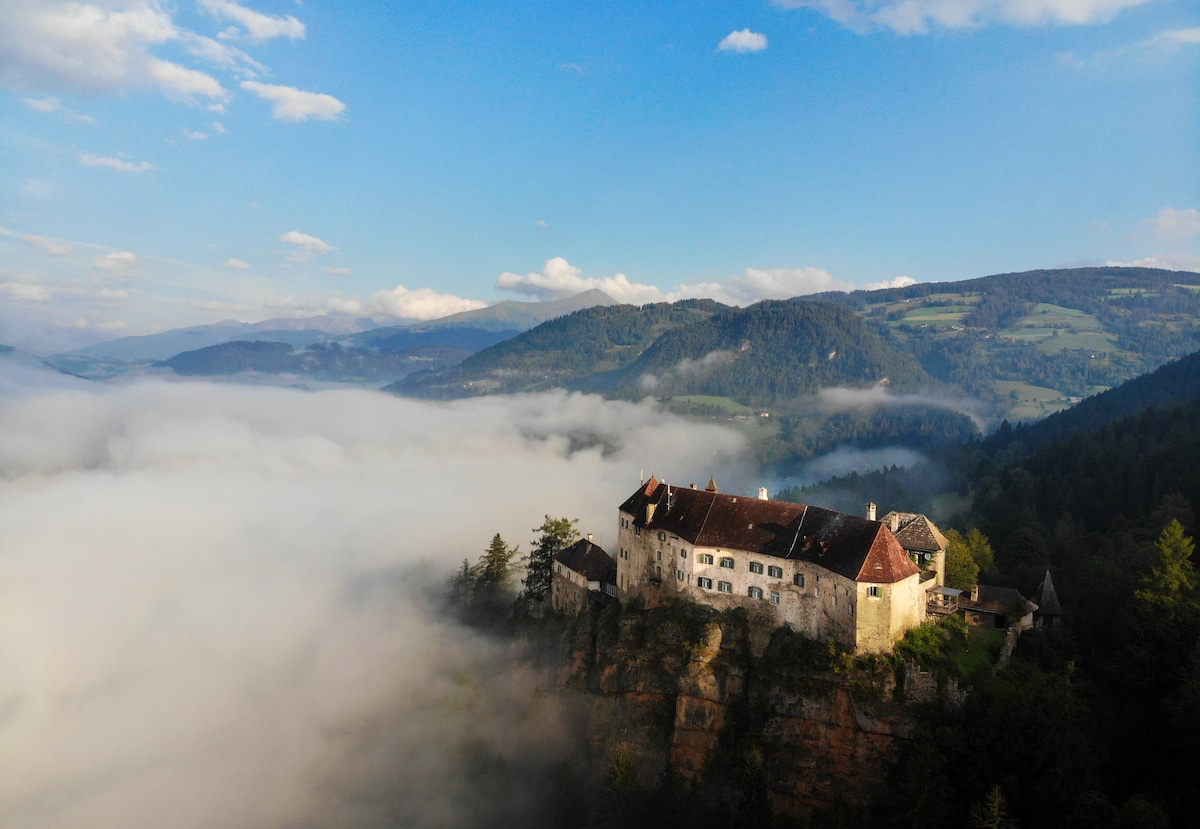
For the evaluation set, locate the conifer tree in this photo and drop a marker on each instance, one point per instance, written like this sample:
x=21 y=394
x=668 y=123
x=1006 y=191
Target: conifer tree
x=557 y=534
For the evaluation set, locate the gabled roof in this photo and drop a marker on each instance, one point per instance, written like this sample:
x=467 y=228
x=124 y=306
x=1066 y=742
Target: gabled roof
x=1047 y=598
x=916 y=532
x=589 y=561
x=845 y=544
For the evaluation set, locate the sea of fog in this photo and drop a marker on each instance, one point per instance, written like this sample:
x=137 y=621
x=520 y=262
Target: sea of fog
x=216 y=601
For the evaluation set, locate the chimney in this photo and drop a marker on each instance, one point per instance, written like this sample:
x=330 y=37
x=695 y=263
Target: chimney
x=590 y=537
x=693 y=484
x=974 y=592
x=871 y=511
x=762 y=494
x=895 y=522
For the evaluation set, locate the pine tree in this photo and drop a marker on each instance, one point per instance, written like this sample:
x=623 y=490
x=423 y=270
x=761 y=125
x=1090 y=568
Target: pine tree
x=557 y=534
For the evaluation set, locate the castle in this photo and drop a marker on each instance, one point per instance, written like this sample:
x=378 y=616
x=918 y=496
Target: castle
x=826 y=574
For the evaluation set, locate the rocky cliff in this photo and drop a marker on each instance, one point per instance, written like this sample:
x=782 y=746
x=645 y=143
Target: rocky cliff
x=680 y=682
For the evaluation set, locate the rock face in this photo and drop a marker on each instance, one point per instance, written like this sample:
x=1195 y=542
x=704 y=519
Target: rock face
x=679 y=682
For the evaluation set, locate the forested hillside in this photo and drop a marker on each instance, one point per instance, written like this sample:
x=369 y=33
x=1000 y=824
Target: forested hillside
x=589 y=342
x=770 y=352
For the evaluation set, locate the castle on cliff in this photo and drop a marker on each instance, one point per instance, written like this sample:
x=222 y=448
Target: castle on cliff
x=826 y=574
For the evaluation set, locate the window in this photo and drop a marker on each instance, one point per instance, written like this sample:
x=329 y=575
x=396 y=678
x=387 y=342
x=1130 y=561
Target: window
x=755 y=592
x=725 y=586
x=683 y=553
x=703 y=582
x=662 y=536
x=637 y=530
x=850 y=609
x=679 y=575
x=835 y=601
x=727 y=562
x=704 y=558
x=658 y=572
x=775 y=572
x=798 y=579
x=756 y=567
x=774 y=597
x=873 y=591
x=658 y=555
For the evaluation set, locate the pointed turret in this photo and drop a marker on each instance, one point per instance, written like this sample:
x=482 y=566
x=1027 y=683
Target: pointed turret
x=1046 y=598
x=712 y=485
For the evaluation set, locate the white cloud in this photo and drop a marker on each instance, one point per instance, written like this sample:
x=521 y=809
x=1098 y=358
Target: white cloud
x=1175 y=224
x=93 y=49
x=1171 y=41
x=236 y=264
x=117 y=263
x=112 y=294
x=292 y=104
x=306 y=246
x=920 y=16
x=898 y=282
x=37 y=188
x=559 y=278
x=26 y=291
x=115 y=163
x=193 y=135
x=743 y=41
x=417 y=304
x=337 y=271
x=230 y=626
x=54 y=247
x=217 y=127
x=181 y=83
x=1176 y=262
x=43 y=104
x=258 y=26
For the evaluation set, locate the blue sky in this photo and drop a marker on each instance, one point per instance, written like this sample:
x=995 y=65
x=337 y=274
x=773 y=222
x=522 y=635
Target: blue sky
x=173 y=164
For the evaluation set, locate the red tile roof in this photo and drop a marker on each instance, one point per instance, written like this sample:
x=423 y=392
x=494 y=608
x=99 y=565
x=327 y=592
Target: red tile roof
x=846 y=544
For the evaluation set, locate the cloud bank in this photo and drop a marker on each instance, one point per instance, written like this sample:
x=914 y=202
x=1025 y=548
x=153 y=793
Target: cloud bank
x=559 y=278
x=212 y=600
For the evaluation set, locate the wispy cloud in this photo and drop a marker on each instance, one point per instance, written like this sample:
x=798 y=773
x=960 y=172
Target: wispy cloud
x=43 y=104
x=337 y=271
x=115 y=163
x=118 y=263
x=236 y=264
x=306 y=246
x=258 y=26
x=911 y=17
x=743 y=41
x=54 y=247
x=293 y=104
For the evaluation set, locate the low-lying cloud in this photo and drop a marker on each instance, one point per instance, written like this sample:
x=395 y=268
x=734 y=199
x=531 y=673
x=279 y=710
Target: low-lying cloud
x=214 y=599
x=836 y=400
x=686 y=369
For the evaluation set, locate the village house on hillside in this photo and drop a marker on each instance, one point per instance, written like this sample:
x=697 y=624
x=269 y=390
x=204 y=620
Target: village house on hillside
x=826 y=574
